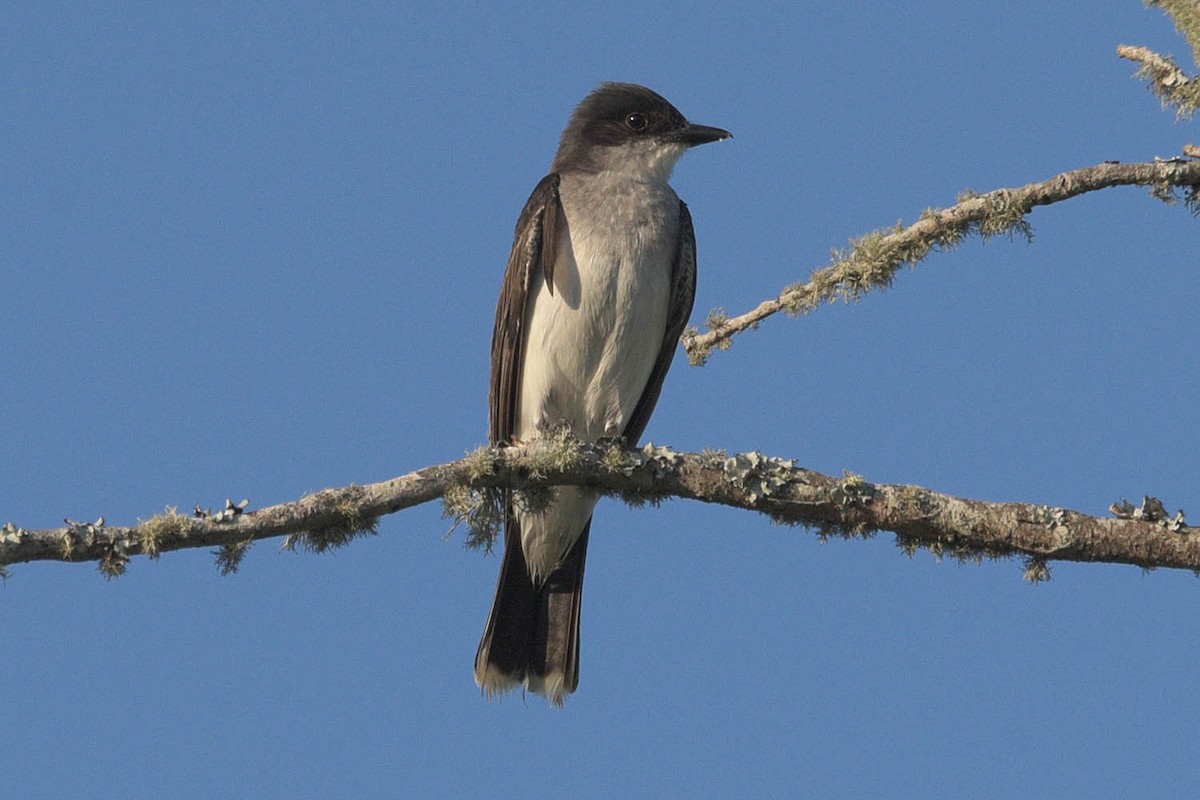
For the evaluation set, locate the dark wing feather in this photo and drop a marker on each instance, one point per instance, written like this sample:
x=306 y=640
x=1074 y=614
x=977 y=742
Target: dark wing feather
x=532 y=630
x=533 y=248
x=683 y=294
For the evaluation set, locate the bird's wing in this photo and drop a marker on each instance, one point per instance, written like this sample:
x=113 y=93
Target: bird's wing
x=533 y=249
x=683 y=294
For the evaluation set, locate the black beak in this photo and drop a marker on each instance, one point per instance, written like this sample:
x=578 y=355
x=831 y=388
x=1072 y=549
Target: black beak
x=692 y=135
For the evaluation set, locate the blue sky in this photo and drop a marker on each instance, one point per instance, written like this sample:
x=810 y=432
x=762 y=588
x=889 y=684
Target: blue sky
x=254 y=250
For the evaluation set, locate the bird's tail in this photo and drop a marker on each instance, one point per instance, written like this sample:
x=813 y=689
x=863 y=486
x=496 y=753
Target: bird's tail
x=532 y=635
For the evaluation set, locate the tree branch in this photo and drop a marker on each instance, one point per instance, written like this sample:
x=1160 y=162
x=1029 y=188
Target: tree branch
x=848 y=506
x=1166 y=79
x=873 y=260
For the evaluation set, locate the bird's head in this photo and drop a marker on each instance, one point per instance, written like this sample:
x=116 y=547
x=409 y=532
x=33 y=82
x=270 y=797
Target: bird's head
x=627 y=127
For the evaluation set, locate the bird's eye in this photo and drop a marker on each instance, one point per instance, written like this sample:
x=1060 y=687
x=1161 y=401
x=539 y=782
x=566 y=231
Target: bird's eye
x=636 y=122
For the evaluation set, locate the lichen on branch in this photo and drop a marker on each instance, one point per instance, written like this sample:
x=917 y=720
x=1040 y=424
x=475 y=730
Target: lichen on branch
x=872 y=261
x=847 y=506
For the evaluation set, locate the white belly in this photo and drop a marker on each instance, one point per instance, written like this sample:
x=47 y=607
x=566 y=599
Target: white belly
x=591 y=344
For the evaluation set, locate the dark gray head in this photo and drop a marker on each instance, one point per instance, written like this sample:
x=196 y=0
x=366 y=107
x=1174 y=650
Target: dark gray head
x=625 y=126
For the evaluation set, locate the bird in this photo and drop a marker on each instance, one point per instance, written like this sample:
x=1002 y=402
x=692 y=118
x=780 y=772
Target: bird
x=598 y=288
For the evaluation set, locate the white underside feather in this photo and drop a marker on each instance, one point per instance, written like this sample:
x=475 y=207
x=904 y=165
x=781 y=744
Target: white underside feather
x=592 y=342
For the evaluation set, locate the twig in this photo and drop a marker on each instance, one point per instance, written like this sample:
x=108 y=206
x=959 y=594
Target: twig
x=872 y=261
x=1166 y=79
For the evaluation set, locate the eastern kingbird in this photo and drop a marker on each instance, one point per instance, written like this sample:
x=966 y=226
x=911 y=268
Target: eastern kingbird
x=598 y=288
